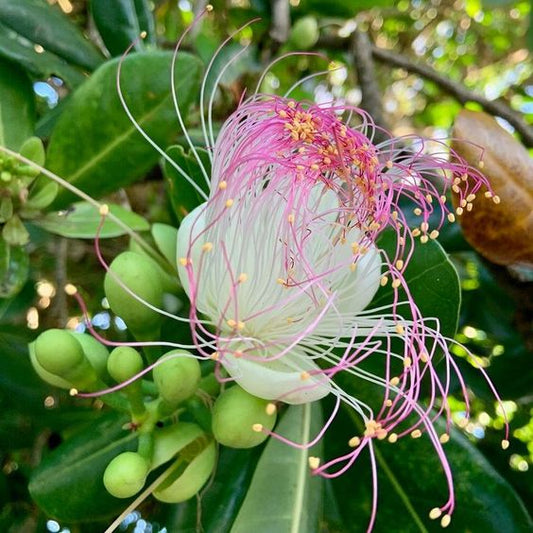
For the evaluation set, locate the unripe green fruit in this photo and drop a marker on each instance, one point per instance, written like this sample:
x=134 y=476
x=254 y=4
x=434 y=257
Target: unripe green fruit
x=46 y=376
x=304 y=33
x=184 y=484
x=95 y=352
x=126 y=474
x=138 y=273
x=177 y=378
x=58 y=352
x=235 y=415
x=124 y=362
x=170 y=440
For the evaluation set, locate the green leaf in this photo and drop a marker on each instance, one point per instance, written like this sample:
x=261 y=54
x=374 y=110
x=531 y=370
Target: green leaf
x=411 y=481
x=95 y=146
x=283 y=496
x=83 y=220
x=44 y=64
x=45 y=25
x=121 y=22
x=432 y=280
x=68 y=485
x=14 y=268
x=17 y=113
x=183 y=196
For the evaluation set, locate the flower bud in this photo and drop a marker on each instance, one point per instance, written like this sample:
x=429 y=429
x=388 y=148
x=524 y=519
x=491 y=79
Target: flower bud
x=304 y=33
x=138 y=273
x=95 y=352
x=59 y=353
x=124 y=362
x=192 y=469
x=177 y=378
x=235 y=415
x=126 y=474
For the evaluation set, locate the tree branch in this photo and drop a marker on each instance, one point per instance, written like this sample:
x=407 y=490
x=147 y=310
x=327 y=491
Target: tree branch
x=456 y=89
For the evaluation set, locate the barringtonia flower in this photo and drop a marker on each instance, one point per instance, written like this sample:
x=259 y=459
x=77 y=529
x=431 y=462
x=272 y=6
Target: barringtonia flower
x=283 y=259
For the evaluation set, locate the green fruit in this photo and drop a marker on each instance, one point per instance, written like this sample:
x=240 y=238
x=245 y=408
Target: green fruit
x=235 y=415
x=124 y=362
x=46 y=376
x=125 y=475
x=304 y=33
x=168 y=441
x=95 y=352
x=58 y=352
x=139 y=274
x=166 y=238
x=189 y=477
x=177 y=378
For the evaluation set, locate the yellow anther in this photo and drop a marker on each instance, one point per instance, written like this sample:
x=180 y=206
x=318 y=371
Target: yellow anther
x=242 y=277
x=434 y=234
x=290 y=218
x=416 y=434
x=240 y=325
x=207 y=247
x=229 y=202
x=384 y=281
x=429 y=198
x=104 y=210
x=471 y=197
x=399 y=264
x=401 y=241
x=399 y=329
x=459 y=211
x=496 y=199
x=70 y=289
x=314 y=462
x=209 y=8
x=394 y=215
x=505 y=444
x=327 y=160
x=463 y=203
x=424 y=239
x=223 y=185
x=354 y=442
x=374 y=429
x=456 y=181
x=407 y=362
x=281 y=281
x=445 y=520
x=488 y=194
x=394 y=381
x=257 y=428
x=73 y=392
x=314 y=166
x=355 y=248
x=143 y=35
x=270 y=409
x=456 y=189
x=300 y=167
x=443 y=199
x=444 y=438
x=283 y=113
x=417 y=211
x=451 y=217
x=464 y=177
x=469 y=207
x=389 y=164
x=393 y=437
x=481 y=164
x=396 y=283
x=435 y=513
x=231 y=323
x=183 y=261
x=416 y=232
x=215 y=356
x=304 y=375
x=424 y=226
x=388 y=403
x=353 y=267
x=424 y=357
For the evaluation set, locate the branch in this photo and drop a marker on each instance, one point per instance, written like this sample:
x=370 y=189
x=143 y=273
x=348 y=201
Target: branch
x=457 y=90
x=281 y=21
x=361 y=50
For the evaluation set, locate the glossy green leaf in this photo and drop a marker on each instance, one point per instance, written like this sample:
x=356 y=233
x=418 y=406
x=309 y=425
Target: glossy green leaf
x=17 y=114
x=121 y=22
x=45 y=25
x=183 y=196
x=14 y=268
x=68 y=485
x=283 y=496
x=432 y=280
x=411 y=482
x=82 y=221
x=44 y=64
x=95 y=146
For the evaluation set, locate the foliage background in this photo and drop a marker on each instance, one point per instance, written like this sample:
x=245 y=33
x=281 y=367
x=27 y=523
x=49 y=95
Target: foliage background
x=412 y=64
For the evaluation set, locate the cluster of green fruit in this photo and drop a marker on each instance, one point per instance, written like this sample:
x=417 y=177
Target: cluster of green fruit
x=178 y=415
